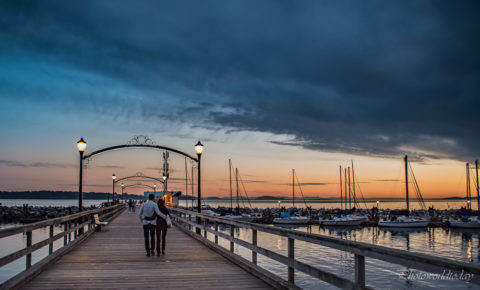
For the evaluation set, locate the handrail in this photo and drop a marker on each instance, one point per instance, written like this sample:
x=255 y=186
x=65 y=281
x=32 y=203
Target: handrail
x=41 y=224
x=72 y=224
x=361 y=250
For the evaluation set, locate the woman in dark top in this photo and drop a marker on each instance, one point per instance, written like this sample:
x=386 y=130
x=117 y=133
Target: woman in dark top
x=161 y=226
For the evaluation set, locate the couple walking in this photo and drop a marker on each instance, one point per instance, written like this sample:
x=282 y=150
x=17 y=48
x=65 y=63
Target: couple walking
x=154 y=219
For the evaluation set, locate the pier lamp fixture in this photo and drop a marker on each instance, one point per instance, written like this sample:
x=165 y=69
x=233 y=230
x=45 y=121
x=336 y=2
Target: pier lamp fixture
x=279 y=203
x=164 y=177
x=113 y=187
x=199 y=150
x=378 y=202
x=81 y=146
x=154 y=188
x=123 y=187
x=468 y=205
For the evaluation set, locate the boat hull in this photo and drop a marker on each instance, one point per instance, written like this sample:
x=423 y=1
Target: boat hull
x=403 y=224
x=291 y=221
x=464 y=225
x=345 y=223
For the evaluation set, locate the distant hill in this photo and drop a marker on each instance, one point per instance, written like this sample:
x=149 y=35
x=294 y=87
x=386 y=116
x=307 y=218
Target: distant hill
x=46 y=194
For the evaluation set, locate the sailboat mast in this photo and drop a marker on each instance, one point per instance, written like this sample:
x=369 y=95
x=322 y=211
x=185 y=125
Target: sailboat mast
x=293 y=187
x=406 y=184
x=186 y=181
x=231 y=193
x=192 y=187
x=468 y=187
x=345 y=171
x=478 y=194
x=349 y=190
x=341 y=191
x=236 y=179
x=353 y=184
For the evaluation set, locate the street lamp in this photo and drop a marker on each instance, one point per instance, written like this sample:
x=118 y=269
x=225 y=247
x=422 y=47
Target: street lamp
x=123 y=187
x=279 y=202
x=154 y=189
x=199 y=150
x=164 y=177
x=81 y=146
x=113 y=188
x=378 y=202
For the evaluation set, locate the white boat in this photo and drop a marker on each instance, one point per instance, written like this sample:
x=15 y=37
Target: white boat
x=210 y=212
x=403 y=222
x=465 y=223
x=233 y=217
x=293 y=220
x=341 y=221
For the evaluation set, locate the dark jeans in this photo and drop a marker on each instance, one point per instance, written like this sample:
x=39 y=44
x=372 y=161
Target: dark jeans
x=161 y=231
x=149 y=230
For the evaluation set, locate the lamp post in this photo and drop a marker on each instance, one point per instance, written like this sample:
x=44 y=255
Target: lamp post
x=154 y=189
x=113 y=188
x=279 y=202
x=378 y=203
x=123 y=196
x=199 y=150
x=81 y=146
x=164 y=177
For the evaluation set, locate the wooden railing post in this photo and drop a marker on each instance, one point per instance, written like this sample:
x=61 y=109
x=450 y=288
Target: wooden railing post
x=205 y=222
x=65 y=227
x=29 y=244
x=70 y=233
x=50 y=246
x=216 y=230
x=291 y=257
x=232 y=234
x=254 y=242
x=360 y=270
x=189 y=219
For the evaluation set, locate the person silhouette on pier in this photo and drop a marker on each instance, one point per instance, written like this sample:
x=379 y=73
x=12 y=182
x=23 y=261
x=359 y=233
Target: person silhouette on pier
x=162 y=227
x=148 y=216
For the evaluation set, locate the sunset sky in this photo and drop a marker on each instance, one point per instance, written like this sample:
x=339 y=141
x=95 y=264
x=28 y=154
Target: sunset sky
x=274 y=85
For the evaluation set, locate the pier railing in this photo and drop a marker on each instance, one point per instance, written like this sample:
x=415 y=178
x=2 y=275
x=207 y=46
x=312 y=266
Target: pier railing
x=75 y=228
x=199 y=225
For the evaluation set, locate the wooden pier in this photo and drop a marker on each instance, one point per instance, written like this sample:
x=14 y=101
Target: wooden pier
x=115 y=259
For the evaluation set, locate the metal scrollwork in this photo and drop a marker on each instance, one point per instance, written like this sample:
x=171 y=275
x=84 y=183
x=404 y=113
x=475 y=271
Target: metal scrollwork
x=141 y=140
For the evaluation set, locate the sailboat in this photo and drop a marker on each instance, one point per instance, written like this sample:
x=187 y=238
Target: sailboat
x=468 y=222
x=341 y=219
x=405 y=221
x=286 y=218
x=233 y=216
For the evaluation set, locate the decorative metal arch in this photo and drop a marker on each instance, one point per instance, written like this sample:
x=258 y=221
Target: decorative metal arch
x=139 y=141
x=140 y=175
x=138 y=184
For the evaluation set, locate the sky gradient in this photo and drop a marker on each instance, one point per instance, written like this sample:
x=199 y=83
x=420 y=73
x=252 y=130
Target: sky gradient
x=274 y=85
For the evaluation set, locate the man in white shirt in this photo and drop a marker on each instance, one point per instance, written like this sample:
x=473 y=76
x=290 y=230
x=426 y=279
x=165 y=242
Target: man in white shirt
x=148 y=216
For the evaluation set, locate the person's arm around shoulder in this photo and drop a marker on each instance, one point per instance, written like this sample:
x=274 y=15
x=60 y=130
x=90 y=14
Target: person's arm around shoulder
x=159 y=213
x=140 y=213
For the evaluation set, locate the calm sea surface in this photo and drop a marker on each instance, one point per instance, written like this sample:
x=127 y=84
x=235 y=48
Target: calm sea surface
x=460 y=245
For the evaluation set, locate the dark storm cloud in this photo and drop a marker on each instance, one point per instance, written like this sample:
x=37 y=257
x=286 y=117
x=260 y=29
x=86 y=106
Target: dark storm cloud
x=35 y=164
x=376 y=78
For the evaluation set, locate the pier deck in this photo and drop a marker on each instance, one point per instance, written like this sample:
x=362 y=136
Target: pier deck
x=115 y=259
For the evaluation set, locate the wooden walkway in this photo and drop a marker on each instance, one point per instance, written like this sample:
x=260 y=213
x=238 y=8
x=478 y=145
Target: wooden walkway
x=115 y=259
